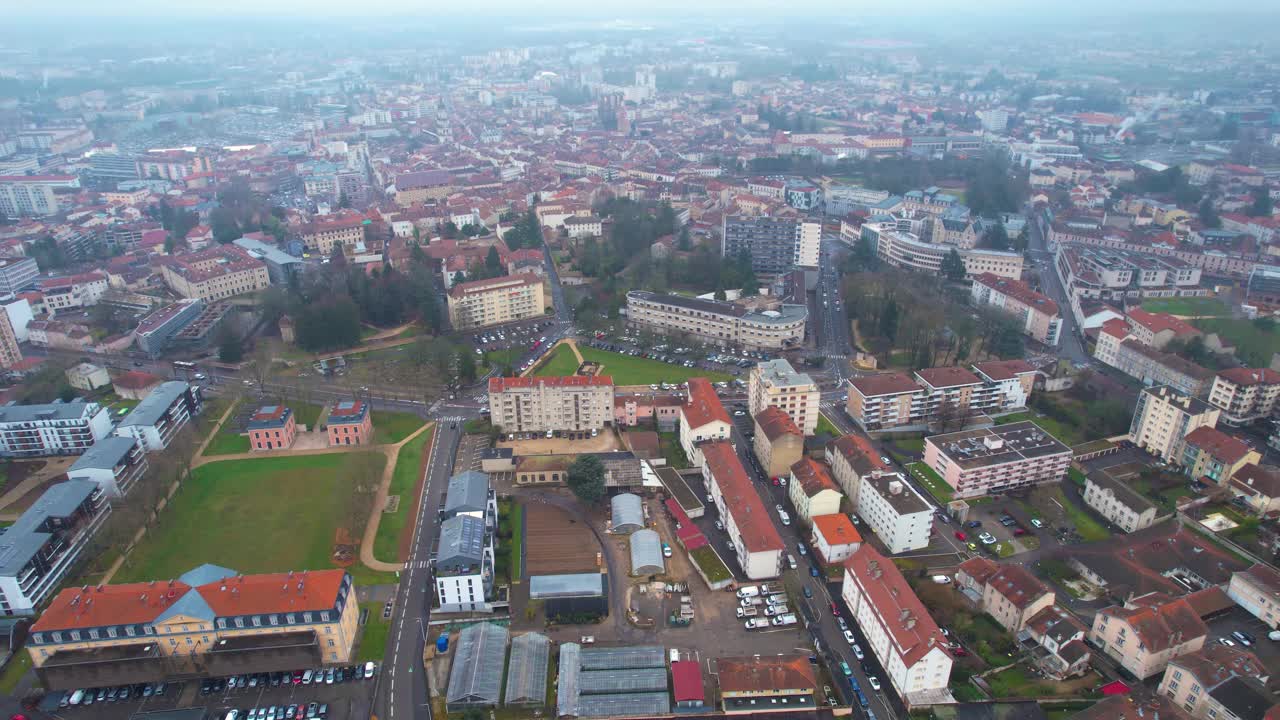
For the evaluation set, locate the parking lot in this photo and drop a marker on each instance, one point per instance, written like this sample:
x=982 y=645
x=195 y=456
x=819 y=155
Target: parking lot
x=1239 y=619
x=253 y=696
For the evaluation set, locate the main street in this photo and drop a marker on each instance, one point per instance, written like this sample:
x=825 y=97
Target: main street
x=1071 y=346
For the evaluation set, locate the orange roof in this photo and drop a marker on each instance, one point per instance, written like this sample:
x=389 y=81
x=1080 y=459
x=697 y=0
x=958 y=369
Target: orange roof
x=273 y=593
x=1115 y=327
x=501 y=384
x=1159 y=322
x=703 y=405
x=774 y=423
x=764 y=674
x=945 y=377
x=836 y=529
x=740 y=497
x=1218 y=444
x=1250 y=376
x=1019 y=291
x=884 y=384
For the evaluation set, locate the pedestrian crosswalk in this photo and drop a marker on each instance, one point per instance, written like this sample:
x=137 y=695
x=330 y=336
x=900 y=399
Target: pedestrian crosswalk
x=418 y=564
x=451 y=418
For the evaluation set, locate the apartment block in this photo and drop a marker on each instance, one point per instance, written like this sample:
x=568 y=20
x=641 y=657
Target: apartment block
x=1213 y=457
x=10 y=353
x=770 y=326
x=1164 y=417
x=1007 y=592
x=1218 y=682
x=161 y=415
x=555 y=404
x=1157 y=330
x=73 y=291
x=208 y=622
x=1120 y=504
x=812 y=491
x=32 y=195
x=754 y=539
x=1146 y=633
x=216 y=273
x=344 y=230
x=1258 y=487
x=775 y=383
x=1258 y=591
x=898 y=628
x=1245 y=394
x=17 y=274
x=998 y=459
x=464 y=565
x=906 y=250
x=1119 y=349
x=57 y=428
x=481 y=303
x=38 y=550
x=778 y=443
x=946 y=395
x=776 y=244
x=702 y=419
x=1034 y=313
x=113 y=463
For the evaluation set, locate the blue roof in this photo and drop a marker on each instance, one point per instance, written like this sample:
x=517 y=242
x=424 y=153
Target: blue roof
x=206 y=574
x=191 y=604
x=153 y=406
x=104 y=454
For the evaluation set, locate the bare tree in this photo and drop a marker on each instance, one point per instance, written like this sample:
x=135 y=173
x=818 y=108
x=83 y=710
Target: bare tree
x=363 y=471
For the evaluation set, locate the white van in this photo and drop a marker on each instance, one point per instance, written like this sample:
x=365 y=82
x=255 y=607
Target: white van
x=232 y=715
x=748 y=591
x=76 y=697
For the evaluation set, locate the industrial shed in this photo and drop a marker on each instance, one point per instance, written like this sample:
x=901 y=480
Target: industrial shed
x=476 y=677
x=628 y=513
x=527 y=670
x=576 y=594
x=646 y=553
x=612 y=682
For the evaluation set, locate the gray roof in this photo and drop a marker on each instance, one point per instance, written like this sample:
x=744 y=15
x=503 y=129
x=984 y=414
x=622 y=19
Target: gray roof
x=646 y=553
x=596 y=682
x=104 y=454
x=623 y=704
x=476 y=676
x=153 y=407
x=527 y=670
x=191 y=604
x=468 y=492
x=1242 y=698
x=461 y=543
x=48 y=411
x=780 y=373
x=627 y=512
x=24 y=538
x=620 y=658
x=266 y=252
x=571 y=585
x=205 y=574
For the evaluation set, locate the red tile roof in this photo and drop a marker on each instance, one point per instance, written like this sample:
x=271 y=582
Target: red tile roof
x=909 y=625
x=501 y=384
x=273 y=593
x=765 y=674
x=774 y=423
x=979 y=568
x=703 y=405
x=860 y=454
x=1018 y=291
x=1003 y=369
x=740 y=497
x=1250 y=376
x=478 y=286
x=1017 y=585
x=885 y=384
x=1115 y=327
x=1159 y=322
x=1218 y=444
x=945 y=377
x=1159 y=621
x=686 y=681
x=813 y=477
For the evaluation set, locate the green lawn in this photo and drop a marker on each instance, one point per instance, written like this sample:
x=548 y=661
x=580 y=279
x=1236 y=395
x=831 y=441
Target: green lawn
x=392 y=427
x=910 y=444
x=1090 y=529
x=1076 y=477
x=1192 y=306
x=1015 y=682
x=373 y=641
x=710 y=563
x=1255 y=340
x=1068 y=434
x=503 y=358
x=306 y=414
x=627 y=370
x=825 y=427
x=932 y=482
x=227 y=443
x=404 y=481
x=559 y=363
x=13 y=672
x=229 y=512
x=669 y=444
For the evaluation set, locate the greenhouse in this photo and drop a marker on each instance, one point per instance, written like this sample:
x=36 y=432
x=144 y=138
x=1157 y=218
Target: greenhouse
x=627 y=512
x=527 y=670
x=476 y=677
x=646 y=553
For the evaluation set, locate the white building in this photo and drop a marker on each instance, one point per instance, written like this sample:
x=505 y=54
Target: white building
x=87 y=377
x=754 y=539
x=1258 y=591
x=776 y=383
x=702 y=419
x=1163 y=418
x=900 y=632
x=52 y=428
x=889 y=506
x=113 y=464
x=161 y=414
x=38 y=550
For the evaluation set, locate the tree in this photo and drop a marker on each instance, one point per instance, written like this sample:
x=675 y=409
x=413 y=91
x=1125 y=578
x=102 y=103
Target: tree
x=466 y=367
x=996 y=237
x=1208 y=214
x=230 y=346
x=684 y=243
x=222 y=221
x=1262 y=205
x=493 y=262
x=952 y=265
x=889 y=320
x=459 y=277
x=586 y=479
x=450 y=231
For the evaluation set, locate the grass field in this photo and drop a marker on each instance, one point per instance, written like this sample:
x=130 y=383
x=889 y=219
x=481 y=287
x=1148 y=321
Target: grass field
x=1089 y=528
x=669 y=444
x=229 y=511
x=306 y=414
x=825 y=427
x=517 y=541
x=1068 y=434
x=13 y=672
x=373 y=641
x=404 y=479
x=503 y=358
x=1192 y=306
x=226 y=443
x=560 y=362
x=936 y=486
x=1255 y=342
x=392 y=427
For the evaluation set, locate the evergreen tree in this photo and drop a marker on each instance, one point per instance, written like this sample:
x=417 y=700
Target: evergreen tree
x=1262 y=205
x=996 y=237
x=952 y=266
x=1208 y=214
x=889 y=320
x=493 y=262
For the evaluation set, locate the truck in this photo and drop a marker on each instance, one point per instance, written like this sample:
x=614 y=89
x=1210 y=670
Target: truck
x=779 y=599
x=754 y=623
x=774 y=610
x=788 y=619
x=748 y=612
x=751 y=602
x=770 y=588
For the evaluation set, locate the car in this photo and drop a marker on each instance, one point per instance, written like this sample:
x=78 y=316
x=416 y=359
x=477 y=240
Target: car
x=885 y=460
x=1244 y=638
x=807 y=592
x=848 y=637
x=961 y=536
x=777 y=481
x=306 y=677
x=960 y=652
x=943 y=518
x=738 y=413
x=942 y=579
x=1019 y=532
x=973 y=524
x=972 y=546
x=857 y=652
x=802 y=549
x=844 y=668
x=874 y=682
x=782 y=481
x=844 y=624
x=312 y=709
x=666 y=550
x=813 y=571
x=835 y=609
x=369 y=669
x=1037 y=522
x=719 y=525
x=987 y=538
x=1226 y=641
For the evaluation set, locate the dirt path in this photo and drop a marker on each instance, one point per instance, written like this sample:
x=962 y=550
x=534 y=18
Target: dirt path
x=390 y=332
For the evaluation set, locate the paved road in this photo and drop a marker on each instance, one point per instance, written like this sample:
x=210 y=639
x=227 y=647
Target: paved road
x=831 y=323
x=1070 y=347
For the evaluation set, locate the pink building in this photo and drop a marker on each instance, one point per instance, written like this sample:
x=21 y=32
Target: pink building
x=272 y=428
x=349 y=424
x=999 y=459
x=631 y=410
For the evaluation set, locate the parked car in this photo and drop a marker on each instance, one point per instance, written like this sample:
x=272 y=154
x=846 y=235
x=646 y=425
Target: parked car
x=961 y=536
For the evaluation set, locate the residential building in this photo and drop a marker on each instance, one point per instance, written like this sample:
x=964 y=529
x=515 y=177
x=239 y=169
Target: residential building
x=58 y=428
x=754 y=539
x=893 y=510
x=773 y=326
x=702 y=419
x=114 y=464
x=1259 y=487
x=1117 y=348
x=1147 y=632
x=1157 y=330
x=898 y=628
x=906 y=250
x=281 y=266
x=551 y=404
x=420 y=186
x=350 y=422
x=10 y=353
x=208 y=622
x=1062 y=637
x=17 y=274
x=1125 y=707
x=776 y=244
x=998 y=459
x=758 y=683
x=629 y=410
x=1036 y=315
x=172 y=165
x=344 y=230
x=464 y=564
x=542 y=470
x=778 y=443
x=32 y=195
x=481 y=303
x=1120 y=504
x=1213 y=457
x=775 y=383
x=216 y=273
x=272 y=427
x=84 y=376
x=46 y=541
x=1245 y=394
x=66 y=292
x=584 y=226
x=945 y=395
x=17 y=310
x=812 y=491
x=1258 y=591
x=161 y=415
x=1163 y=418
x=1008 y=593
x=834 y=538
x=1218 y=682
